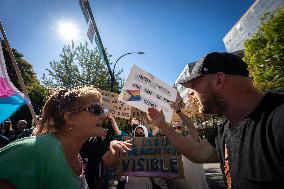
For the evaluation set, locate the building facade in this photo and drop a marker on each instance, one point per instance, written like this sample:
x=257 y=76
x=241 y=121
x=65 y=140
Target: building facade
x=185 y=73
x=249 y=23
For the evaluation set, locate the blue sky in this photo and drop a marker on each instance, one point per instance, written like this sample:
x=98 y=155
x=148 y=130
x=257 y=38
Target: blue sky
x=172 y=33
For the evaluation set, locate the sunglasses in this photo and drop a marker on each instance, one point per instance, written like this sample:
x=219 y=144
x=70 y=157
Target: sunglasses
x=96 y=109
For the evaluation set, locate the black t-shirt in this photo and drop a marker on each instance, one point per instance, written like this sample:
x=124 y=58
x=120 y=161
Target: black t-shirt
x=91 y=154
x=256 y=146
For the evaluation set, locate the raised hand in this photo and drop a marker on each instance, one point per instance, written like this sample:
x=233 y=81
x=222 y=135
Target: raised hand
x=157 y=117
x=178 y=104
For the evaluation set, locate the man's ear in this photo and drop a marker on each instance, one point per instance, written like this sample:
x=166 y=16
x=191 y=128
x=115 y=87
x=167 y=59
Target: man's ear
x=220 y=80
x=69 y=117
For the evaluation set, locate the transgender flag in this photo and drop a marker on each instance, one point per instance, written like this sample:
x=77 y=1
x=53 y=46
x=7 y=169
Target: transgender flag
x=11 y=99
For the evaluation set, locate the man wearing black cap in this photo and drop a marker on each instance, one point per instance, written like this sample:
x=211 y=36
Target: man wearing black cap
x=250 y=144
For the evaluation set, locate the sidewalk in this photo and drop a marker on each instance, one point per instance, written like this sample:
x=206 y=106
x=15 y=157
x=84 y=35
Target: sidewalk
x=214 y=175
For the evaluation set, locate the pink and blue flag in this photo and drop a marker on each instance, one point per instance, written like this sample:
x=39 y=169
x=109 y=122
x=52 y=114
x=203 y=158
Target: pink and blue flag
x=11 y=99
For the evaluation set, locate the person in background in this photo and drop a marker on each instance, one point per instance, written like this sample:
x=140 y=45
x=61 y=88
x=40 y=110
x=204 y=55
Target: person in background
x=139 y=182
x=119 y=133
x=131 y=182
x=133 y=124
x=21 y=131
x=3 y=140
x=152 y=129
x=7 y=129
x=51 y=159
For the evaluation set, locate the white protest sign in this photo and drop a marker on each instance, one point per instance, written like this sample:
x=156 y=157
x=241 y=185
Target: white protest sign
x=143 y=90
x=116 y=108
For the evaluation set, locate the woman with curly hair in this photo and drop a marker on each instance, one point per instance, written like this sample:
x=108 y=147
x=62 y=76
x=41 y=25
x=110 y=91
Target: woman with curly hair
x=50 y=159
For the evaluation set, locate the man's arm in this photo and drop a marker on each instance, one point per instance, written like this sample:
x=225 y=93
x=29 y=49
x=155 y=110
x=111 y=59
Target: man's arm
x=178 y=105
x=189 y=125
x=200 y=152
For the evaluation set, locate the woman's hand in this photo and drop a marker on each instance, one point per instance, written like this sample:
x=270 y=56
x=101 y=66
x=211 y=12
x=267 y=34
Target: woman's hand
x=118 y=146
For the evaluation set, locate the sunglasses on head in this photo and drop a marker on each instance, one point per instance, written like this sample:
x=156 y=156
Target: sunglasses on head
x=96 y=109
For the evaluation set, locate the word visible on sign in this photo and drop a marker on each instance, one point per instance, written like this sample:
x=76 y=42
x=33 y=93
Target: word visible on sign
x=151 y=156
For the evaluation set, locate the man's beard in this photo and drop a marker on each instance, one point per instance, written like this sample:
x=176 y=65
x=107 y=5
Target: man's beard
x=212 y=103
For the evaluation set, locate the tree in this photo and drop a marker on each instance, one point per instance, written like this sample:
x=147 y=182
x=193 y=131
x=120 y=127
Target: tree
x=36 y=91
x=80 y=66
x=264 y=52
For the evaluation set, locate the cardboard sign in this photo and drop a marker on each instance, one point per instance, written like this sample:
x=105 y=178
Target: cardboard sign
x=116 y=108
x=142 y=90
x=138 y=114
x=151 y=157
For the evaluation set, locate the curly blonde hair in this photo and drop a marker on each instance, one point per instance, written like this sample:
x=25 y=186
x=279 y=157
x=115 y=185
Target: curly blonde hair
x=65 y=100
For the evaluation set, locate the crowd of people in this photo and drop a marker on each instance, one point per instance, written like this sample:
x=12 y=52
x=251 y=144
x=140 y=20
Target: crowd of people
x=68 y=150
x=8 y=134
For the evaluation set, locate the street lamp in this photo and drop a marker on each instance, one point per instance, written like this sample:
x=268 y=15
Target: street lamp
x=113 y=80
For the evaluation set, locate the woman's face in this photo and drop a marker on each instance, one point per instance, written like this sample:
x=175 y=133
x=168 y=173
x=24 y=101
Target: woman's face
x=139 y=132
x=89 y=119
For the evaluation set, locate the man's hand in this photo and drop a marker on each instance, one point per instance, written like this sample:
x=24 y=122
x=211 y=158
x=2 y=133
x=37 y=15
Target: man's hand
x=157 y=117
x=117 y=146
x=178 y=104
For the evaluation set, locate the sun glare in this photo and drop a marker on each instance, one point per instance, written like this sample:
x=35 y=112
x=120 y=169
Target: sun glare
x=68 y=30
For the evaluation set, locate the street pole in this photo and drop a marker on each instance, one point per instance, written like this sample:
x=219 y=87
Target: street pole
x=100 y=44
x=137 y=52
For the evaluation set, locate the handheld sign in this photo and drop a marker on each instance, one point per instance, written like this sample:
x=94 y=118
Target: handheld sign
x=151 y=157
x=138 y=114
x=143 y=90
x=116 y=108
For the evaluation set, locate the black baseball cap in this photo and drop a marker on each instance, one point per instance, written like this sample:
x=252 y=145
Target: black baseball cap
x=217 y=62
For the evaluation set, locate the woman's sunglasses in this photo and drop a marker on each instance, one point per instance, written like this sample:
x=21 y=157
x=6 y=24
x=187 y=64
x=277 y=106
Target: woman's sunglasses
x=96 y=109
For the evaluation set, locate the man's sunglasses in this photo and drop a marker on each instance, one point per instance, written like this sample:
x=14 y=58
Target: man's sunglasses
x=96 y=109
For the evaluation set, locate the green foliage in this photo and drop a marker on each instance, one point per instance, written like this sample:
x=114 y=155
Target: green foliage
x=264 y=52
x=36 y=91
x=80 y=66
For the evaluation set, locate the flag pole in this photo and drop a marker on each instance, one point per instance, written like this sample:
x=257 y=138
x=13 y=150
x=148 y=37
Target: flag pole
x=36 y=122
